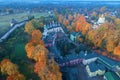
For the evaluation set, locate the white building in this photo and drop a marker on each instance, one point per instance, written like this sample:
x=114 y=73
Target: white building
x=52 y=27
x=101 y=19
x=94 y=69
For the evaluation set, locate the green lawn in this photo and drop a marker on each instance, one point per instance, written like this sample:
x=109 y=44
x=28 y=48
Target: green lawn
x=4 y=20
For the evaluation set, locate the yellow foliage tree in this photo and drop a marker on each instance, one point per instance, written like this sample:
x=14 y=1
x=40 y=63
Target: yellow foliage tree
x=8 y=68
x=29 y=27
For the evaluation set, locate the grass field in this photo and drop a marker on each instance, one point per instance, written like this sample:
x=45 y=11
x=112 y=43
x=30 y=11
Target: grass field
x=4 y=20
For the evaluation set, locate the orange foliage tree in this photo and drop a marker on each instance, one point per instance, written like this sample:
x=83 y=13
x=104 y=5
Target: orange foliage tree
x=105 y=36
x=49 y=70
x=36 y=50
x=10 y=69
x=117 y=51
x=110 y=46
x=66 y=22
x=36 y=36
x=82 y=25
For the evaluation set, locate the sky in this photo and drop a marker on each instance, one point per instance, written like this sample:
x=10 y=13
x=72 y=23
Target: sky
x=10 y=1
x=53 y=0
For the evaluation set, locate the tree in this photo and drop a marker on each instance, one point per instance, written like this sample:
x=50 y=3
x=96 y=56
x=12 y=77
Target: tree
x=29 y=49
x=36 y=36
x=8 y=68
x=82 y=25
x=117 y=51
x=102 y=9
x=30 y=17
x=70 y=17
x=48 y=72
x=36 y=50
x=16 y=76
x=42 y=19
x=110 y=46
x=35 y=23
x=69 y=28
x=60 y=18
x=39 y=53
x=94 y=15
x=65 y=22
x=35 y=40
x=29 y=27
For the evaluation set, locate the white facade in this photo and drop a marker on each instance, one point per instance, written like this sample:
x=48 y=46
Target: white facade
x=101 y=19
x=95 y=73
x=55 y=28
x=88 y=61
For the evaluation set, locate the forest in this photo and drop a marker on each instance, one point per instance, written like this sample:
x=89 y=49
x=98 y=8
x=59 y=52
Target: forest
x=104 y=39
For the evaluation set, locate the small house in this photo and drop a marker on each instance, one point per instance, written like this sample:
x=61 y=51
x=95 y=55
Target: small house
x=74 y=35
x=13 y=22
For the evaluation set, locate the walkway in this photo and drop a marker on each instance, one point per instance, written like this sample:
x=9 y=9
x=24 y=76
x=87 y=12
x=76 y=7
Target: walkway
x=10 y=30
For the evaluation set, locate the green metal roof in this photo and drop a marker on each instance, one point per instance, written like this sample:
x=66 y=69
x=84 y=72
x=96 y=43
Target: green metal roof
x=111 y=76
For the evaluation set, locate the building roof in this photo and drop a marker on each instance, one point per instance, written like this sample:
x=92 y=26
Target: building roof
x=94 y=67
x=76 y=33
x=109 y=63
x=52 y=25
x=111 y=76
x=13 y=21
x=101 y=67
x=73 y=33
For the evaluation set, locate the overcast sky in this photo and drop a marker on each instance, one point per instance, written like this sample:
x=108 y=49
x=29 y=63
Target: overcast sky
x=55 y=0
x=10 y=1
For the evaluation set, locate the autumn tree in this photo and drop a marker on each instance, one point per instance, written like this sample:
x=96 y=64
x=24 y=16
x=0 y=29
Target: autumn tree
x=35 y=40
x=10 y=69
x=36 y=50
x=82 y=25
x=110 y=46
x=70 y=29
x=36 y=36
x=16 y=76
x=39 y=53
x=50 y=71
x=117 y=51
x=29 y=49
x=70 y=17
x=66 y=22
x=60 y=19
x=29 y=27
